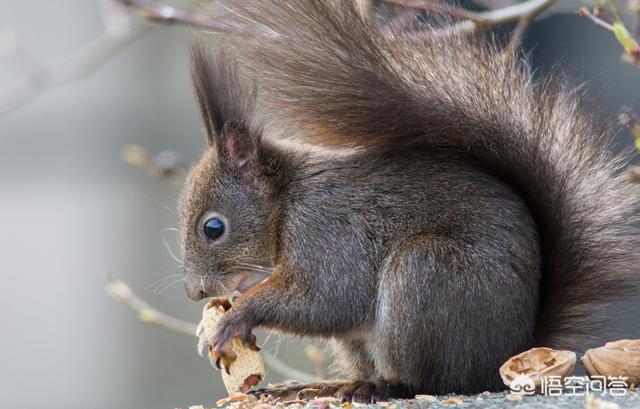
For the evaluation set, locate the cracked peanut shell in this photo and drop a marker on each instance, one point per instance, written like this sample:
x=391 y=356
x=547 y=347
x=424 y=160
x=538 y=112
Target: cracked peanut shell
x=248 y=368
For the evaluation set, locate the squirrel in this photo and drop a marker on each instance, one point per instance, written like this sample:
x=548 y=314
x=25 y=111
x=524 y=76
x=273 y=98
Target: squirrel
x=434 y=211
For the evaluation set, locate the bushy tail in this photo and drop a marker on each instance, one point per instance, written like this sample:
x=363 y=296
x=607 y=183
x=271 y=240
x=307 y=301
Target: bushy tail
x=324 y=69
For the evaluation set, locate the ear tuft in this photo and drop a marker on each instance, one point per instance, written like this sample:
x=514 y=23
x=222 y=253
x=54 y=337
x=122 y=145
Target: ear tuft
x=226 y=100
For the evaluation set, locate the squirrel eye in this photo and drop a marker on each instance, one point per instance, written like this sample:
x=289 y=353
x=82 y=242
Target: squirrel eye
x=213 y=228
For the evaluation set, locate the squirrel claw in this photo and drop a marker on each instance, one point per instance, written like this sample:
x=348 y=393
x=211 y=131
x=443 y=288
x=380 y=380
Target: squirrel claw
x=232 y=325
x=203 y=348
x=218 y=348
x=222 y=358
x=249 y=340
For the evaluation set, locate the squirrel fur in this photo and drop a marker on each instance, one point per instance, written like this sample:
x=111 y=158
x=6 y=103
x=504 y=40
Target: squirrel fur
x=436 y=210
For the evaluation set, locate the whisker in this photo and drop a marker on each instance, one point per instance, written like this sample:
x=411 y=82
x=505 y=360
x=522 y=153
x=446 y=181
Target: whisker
x=255 y=271
x=264 y=345
x=255 y=268
x=156 y=201
x=174 y=282
x=252 y=264
x=276 y=349
x=263 y=269
x=163 y=231
x=162 y=280
x=255 y=261
x=266 y=339
x=170 y=251
x=223 y=286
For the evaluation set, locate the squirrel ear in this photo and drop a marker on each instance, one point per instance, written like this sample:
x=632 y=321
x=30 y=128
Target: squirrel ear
x=238 y=144
x=226 y=100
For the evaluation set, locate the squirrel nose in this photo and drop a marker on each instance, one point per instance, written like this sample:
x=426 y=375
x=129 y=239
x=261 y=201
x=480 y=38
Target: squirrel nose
x=194 y=292
x=197 y=286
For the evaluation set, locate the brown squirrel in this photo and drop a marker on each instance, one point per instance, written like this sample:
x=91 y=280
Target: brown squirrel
x=437 y=211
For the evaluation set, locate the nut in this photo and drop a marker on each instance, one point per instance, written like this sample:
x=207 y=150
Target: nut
x=533 y=365
x=248 y=369
x=619 y=358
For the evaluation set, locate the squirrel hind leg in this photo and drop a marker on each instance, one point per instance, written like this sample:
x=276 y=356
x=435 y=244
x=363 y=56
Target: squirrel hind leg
x=448 y=316
x=295 y=390
x=362 y=385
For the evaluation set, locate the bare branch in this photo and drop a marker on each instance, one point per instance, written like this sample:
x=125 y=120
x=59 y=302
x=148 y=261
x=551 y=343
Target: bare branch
x=146 y=313
x=584 y=12
x=171 y=15
x=41 y=76
x=150 y=315
x=527 y=10
x=617 y=26
x=45 y=76
x=71 y=68
x=515 y=41
x=433 y=6
x=472 y=21
x=495 y=4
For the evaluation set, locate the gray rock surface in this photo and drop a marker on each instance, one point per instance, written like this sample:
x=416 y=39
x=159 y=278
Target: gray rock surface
x=486 y=400
x=499 y=400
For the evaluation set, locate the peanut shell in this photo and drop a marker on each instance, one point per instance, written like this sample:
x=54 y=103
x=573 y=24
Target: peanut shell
x=248 y=368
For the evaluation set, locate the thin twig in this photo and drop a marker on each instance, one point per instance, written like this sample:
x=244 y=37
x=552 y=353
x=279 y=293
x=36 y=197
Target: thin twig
x=150 y=315
x=43 y=76
x=472 y=21
x=171 y=15
x=617 y=27
x=515 y=41
x=494 y=4
x=81 y=64
x=146 y=313
x=527 y=10
x=433 y=6
x=584 y=12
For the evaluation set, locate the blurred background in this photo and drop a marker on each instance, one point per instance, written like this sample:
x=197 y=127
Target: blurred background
x=72 y=210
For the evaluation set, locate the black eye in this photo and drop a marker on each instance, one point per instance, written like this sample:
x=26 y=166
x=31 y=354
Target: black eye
x=213 y=228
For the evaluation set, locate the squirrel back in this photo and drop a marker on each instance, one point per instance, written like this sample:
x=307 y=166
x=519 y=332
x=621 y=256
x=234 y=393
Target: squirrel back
x=330 y=72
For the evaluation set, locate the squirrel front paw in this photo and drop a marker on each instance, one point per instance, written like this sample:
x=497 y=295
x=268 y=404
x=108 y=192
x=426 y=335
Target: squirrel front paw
x=233 y=325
